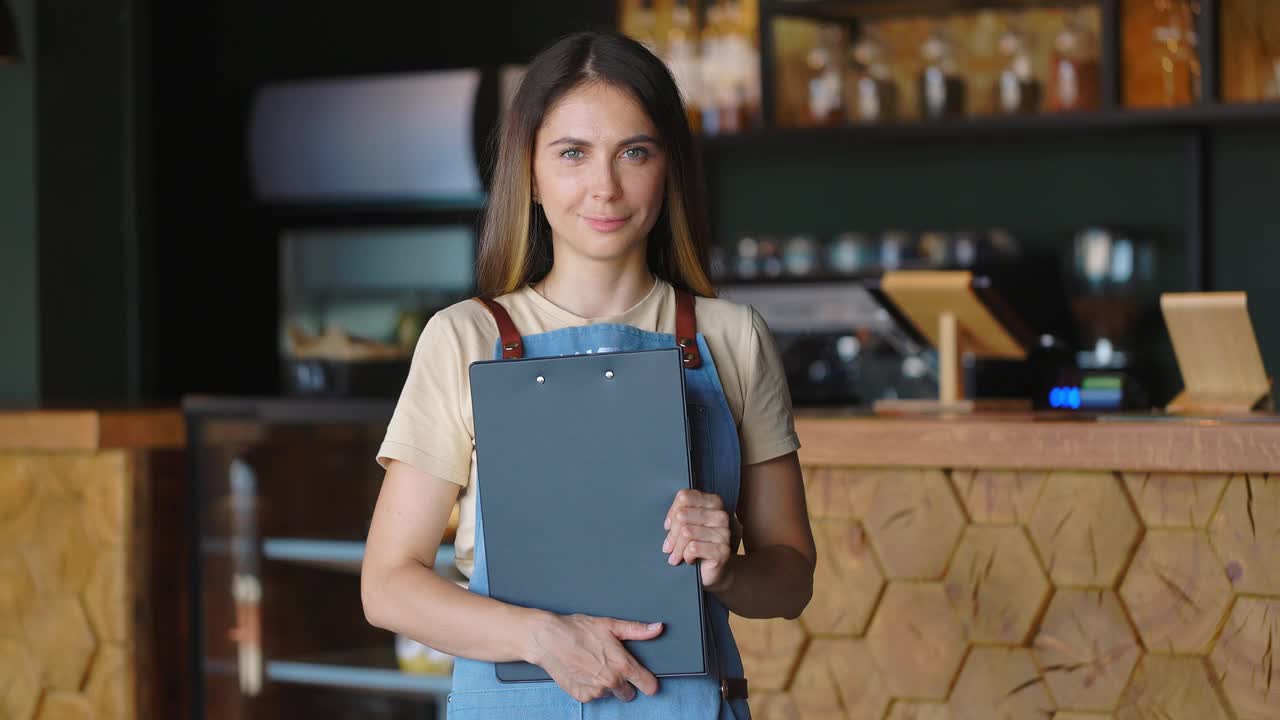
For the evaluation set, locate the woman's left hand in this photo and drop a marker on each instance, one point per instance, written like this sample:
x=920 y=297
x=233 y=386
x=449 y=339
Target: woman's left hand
x=698 y=529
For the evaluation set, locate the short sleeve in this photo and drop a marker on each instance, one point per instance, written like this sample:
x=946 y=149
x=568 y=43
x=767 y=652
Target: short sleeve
x=428 y=430
x=768 y=426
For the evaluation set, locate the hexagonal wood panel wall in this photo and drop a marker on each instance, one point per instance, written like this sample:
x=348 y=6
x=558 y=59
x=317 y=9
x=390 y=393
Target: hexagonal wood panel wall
x=948 y=595
x=65 y=626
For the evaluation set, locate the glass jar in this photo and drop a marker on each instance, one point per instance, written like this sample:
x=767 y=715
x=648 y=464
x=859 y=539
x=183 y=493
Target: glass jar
x=825 y=79
x=1076 y=70
x=1018 y=90
x=871 y=94
x=942 y=88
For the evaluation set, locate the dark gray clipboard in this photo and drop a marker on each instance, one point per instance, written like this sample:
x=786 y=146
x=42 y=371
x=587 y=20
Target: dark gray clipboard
x=576 y=474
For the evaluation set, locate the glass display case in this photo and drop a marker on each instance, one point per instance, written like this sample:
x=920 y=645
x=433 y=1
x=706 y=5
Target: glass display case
x=283 y=491
x=355 y=298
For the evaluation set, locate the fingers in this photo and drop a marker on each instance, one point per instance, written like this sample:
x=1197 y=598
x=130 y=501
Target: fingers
x=631 y=674
x=623 y=690
x=640 y=678
x=629 y=630
x=689 y=498
x=711 y=554
x=680 y=539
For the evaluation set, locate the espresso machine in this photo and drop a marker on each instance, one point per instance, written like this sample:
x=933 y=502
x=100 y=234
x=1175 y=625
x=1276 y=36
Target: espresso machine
x=1111 y=284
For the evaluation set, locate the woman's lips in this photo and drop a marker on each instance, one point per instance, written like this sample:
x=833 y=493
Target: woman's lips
x=605 y=224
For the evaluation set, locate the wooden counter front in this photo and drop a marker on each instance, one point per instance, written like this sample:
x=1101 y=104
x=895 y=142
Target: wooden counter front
x=1019 y=567
x=91 y=564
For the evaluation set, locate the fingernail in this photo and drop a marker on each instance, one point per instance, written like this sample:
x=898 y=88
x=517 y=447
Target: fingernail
x=666 y=546
x=654 y=626
x=671 y=559
x=666 y=524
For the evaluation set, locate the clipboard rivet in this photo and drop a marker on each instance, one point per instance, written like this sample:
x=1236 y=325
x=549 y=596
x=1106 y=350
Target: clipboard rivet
x=608 y=374
x=688 y=357
x=541 y=379
x=685 y=342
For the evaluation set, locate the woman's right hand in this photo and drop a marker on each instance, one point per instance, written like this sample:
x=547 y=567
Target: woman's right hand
x=585 y=656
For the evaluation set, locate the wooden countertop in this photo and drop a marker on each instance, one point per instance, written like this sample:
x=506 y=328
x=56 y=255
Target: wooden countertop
x=1043 y=442
x=91 y=429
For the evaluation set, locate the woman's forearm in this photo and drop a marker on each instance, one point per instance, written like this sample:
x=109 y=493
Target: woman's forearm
x=410 y=599
x=768 y=582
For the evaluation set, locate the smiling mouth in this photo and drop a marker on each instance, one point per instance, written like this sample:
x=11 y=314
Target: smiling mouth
x=605 y=224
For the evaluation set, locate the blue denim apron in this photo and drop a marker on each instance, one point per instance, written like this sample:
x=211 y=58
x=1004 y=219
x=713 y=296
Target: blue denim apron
x=477 y=694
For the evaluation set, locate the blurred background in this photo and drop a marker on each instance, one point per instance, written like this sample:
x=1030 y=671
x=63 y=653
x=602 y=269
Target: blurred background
x=238 y=216
x=192 y=195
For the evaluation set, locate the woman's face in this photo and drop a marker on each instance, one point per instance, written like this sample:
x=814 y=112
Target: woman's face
x=599 y=173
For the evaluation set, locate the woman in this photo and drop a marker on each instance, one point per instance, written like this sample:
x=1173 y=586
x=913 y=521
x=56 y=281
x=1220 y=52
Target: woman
x=595 y=241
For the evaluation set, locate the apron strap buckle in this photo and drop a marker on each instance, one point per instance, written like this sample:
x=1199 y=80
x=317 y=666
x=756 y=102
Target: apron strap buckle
x=733 y=688
x=687 y=330
x=512 y=347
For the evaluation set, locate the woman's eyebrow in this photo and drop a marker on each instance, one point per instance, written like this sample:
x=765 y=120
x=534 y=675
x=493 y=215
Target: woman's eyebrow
x=637 y=139
x=569 y=141
x=633 y=140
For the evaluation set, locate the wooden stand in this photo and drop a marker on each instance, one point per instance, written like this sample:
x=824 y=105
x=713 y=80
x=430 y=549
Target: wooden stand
x=944 y=309
x=1217 y=353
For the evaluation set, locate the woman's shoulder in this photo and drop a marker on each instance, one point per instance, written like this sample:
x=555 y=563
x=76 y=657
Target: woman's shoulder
x=726 y=318
x=466 y=324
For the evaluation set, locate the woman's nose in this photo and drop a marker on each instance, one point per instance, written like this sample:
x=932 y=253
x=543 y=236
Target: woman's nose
x=604 y=181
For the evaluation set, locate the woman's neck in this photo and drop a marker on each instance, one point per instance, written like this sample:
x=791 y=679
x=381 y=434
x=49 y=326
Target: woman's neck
x=591 y=291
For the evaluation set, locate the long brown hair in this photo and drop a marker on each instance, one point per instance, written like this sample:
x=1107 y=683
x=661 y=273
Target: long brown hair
x=515 y=248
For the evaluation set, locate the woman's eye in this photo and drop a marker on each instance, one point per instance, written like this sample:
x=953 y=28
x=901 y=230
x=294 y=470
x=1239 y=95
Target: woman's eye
x=572 y=154
x=635 y=153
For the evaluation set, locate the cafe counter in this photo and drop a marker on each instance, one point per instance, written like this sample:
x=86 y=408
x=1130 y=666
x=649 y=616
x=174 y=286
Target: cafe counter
x=91 y=564
x=1025 y=565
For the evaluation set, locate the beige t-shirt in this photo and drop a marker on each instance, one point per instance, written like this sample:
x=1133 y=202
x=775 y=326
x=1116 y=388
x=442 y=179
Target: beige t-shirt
x=432 y=426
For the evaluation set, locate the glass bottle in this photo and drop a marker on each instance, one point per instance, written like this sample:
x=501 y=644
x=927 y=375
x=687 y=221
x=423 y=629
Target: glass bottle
x=682 y=59
x=1018 y=90
x=825 y=78
x=871 y=94
x=713 y=69
x=646 y=27
x=942 y=89
x=1075 y=68
x=742 y=63
x=1272 y=89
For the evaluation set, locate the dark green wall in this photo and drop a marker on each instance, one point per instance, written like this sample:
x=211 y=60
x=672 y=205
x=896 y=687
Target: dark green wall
x=19 y=319
x=91 y=277
x=1042 y=189
x=1246 y=228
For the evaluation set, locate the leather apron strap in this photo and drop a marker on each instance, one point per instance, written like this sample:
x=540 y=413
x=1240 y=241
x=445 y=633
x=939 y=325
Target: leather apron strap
x=686 y=329
x=512 y=346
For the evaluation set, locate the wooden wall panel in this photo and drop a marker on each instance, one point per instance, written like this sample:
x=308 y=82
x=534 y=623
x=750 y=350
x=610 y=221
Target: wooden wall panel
x=1175 y=555
x=67 y=623
x=917 y=640
x=1170 y=686
x=1176 y=592
x=914 y=523
x=1086 y=649
x=1000 y=682
x=1244 y=658
x=1084 y=528
x=996 y=585
x=846 y=582
x=1175 y=500
x=837 y=680
x=1246 y=533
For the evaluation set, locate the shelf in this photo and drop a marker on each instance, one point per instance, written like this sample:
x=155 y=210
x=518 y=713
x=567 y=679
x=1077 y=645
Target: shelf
x=340 y=555
x=845 y=10
x=1198 y=117
x=360 y=670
